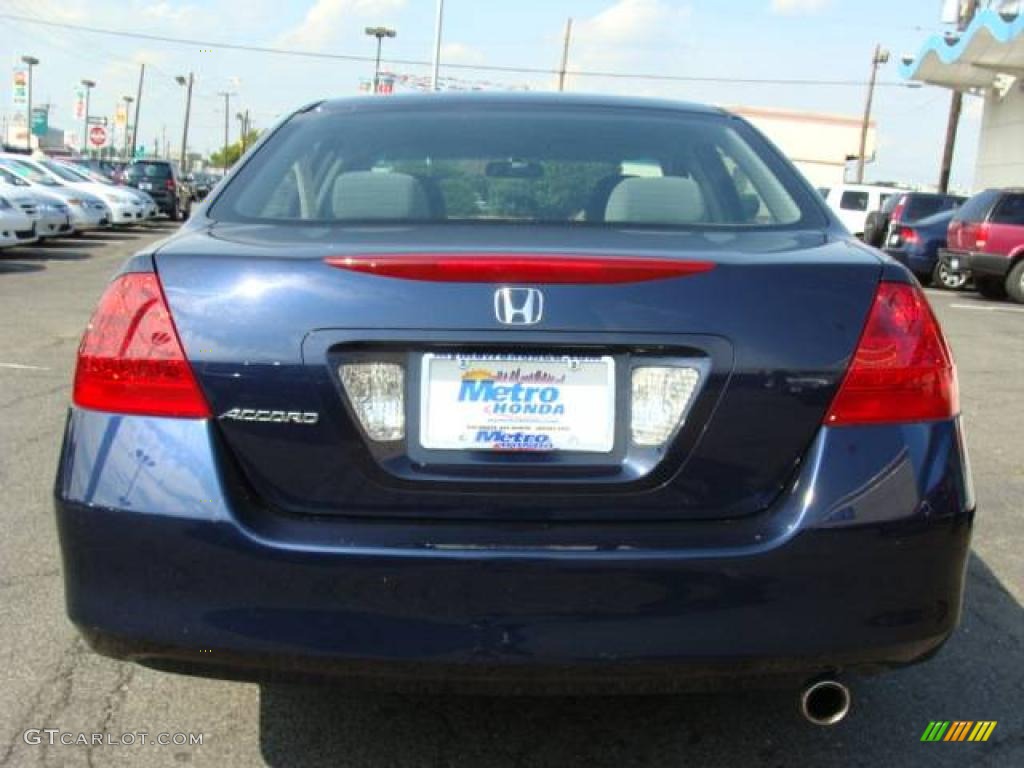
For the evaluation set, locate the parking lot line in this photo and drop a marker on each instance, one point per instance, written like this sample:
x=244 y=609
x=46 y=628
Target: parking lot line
x=21 y=367
x=987 y=309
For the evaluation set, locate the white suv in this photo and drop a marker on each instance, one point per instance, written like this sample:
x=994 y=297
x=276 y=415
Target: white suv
x=853 y=202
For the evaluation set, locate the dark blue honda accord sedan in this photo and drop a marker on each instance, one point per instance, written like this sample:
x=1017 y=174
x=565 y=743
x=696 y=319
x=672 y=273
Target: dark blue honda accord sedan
x=527 y=389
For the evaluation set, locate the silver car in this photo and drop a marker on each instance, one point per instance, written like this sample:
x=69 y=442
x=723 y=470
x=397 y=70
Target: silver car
x=52 y=215
x=86 y=209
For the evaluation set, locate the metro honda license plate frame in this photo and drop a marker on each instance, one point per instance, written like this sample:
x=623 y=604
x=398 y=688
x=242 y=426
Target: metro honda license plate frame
x=518 y=402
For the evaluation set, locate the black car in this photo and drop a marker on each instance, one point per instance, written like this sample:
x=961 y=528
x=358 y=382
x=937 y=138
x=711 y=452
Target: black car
x=160 y=179
x=201 y=184
x=906 y=208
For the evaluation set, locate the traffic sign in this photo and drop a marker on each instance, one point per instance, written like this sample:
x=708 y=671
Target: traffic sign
x=98 y=136
x=96 y=120
x=40 y=121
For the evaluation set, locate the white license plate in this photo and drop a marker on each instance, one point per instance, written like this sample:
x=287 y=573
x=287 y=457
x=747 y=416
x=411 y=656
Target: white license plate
x=145 y=185
x=517 y=403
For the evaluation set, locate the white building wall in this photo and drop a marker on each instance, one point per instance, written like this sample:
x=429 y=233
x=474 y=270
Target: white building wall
x=1001 y=146
x=817 y=144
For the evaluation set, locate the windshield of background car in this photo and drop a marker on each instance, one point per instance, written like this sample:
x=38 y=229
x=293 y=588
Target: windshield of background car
x=61 y=172
x=8 y=177
x=626 y=167
x=29 y=173
x=145 y=170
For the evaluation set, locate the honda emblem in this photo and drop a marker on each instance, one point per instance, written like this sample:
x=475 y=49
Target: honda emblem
x=518 y=306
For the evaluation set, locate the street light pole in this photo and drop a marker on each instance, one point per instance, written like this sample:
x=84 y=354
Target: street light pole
x=88 y=85
x=127 y=111
x=227 y=117
x=31 y=61
x=435 y=68
x=380 y=33
x=881 y=56
x=138 y=106
x=565 y=55
x=188 y=109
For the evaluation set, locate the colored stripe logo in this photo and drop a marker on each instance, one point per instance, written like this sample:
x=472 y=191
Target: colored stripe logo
x=958 y=730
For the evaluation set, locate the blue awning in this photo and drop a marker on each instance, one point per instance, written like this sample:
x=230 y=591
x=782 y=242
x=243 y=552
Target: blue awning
x=990 y=50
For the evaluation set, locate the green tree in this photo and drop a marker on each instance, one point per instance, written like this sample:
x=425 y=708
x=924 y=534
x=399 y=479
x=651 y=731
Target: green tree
x=233 y=152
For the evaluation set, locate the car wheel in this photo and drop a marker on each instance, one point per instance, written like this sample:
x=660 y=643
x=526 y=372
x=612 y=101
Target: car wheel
x=990 y=287
x=943 y=277
x=1015 y=282
x=174 y=214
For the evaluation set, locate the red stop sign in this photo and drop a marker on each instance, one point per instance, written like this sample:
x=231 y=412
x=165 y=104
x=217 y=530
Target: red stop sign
x=97 y=136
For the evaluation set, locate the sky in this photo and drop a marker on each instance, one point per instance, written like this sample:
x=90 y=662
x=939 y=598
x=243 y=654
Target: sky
x=766 y=39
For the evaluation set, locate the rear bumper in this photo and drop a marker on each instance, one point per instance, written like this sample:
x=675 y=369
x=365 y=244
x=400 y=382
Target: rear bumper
x=982 y=264
x=860 y=566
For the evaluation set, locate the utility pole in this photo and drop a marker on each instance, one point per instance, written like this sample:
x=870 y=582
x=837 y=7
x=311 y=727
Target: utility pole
x=968 y=9
x=188 y=109
x=380 y=33
x=88 y=85
x=128 y=133
x=881 y=56
x=138 y=105
x=31 y=61
x=565 y=55
x=435 y=68
x=227 y=117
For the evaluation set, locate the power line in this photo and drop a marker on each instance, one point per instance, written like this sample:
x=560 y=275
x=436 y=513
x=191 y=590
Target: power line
x=422 y=63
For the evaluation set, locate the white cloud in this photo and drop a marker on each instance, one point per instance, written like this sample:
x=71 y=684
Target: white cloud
x=798 y=6
x=326 y=18
x=460 y=53
x=629 y=22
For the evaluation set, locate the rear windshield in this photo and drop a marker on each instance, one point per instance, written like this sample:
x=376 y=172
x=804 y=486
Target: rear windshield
x=977 y=208
x=922 y=206
x=556 y=166
x=148 y=171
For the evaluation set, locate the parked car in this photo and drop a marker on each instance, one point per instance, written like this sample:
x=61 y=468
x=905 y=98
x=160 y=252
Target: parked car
x=125 y=207
x=51 y=214
x=88 y=211
x=917 y=245
x=905 y=208
x=986 y=240
x=614 y=428
x=160 y=179
x=201 y=183
x=17 y=227
x=134 y=206
x=852 y=203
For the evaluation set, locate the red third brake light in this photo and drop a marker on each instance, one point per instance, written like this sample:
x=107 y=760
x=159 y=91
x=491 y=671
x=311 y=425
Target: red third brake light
x=902 y=370
x=519 y=267
x=131 y=360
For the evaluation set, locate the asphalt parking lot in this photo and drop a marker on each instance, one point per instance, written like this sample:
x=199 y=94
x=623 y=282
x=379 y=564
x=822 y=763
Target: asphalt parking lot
x=48 y=679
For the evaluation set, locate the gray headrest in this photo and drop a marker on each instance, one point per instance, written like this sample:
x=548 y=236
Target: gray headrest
x=372 y=195
x=660 y=200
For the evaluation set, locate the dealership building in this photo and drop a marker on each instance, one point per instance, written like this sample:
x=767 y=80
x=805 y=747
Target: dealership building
x=986 y=59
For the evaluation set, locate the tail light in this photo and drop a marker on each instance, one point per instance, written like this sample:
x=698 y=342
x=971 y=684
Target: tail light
x=519 y=267
x=981 y=233
x=902 y=370
x=898 y=209
x=170 y=185
x=908 y=236
x=131 y=359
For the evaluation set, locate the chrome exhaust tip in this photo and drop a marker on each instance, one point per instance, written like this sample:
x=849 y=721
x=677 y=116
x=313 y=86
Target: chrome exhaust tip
x=825 y=702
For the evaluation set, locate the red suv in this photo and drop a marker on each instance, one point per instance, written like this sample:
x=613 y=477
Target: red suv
x=986 y=239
